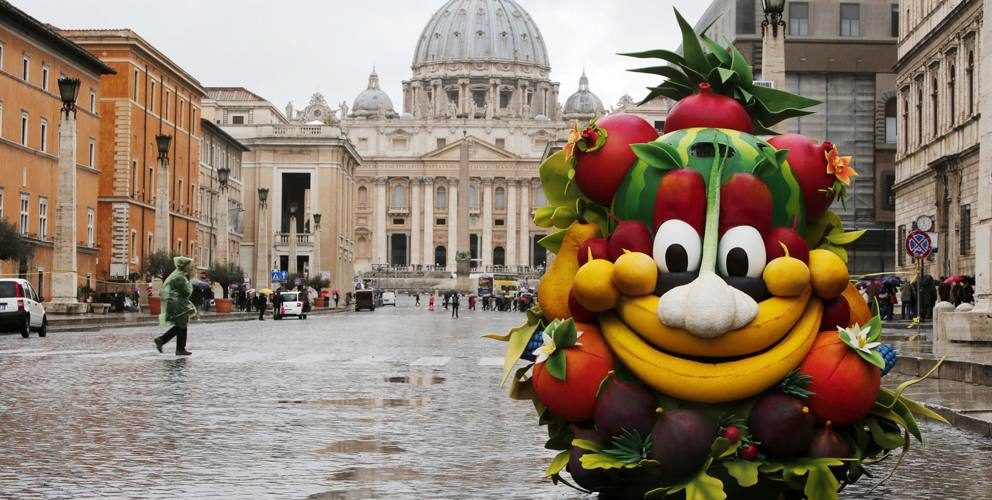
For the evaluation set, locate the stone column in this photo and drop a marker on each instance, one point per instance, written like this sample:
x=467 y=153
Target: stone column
x=162 y=239
x=487 y=222
x=291 y=265
x=511 y=222
x=773 y=60
x=379 y=256
x=222 y=251
x=464 y=181
x=64 y=276
x=315 y=266
x=453 y=223
x=438 y=97
x=262 y=262
x=415 y=235
x=525 y=190
x=464 y=99
x=428 y=237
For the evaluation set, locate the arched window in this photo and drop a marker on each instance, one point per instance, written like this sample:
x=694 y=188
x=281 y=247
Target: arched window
x=363 y=195
x=440 y=256
x=441 y=198
x=539 y=199
x=399 y=196
x=499 y=256
x=500 y=199
x=951 y=94
x=890 y=121
x=473 y=197
x=971 y=82
x=934 y=101
x=905 y=121
x=919 y=111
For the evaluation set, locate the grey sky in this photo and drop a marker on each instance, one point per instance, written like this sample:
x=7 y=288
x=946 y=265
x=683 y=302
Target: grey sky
x=287 y=49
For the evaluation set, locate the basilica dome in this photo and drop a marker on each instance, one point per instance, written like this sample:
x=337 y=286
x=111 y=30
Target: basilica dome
x=373 y=100
x=481 y=30
x=583 y=103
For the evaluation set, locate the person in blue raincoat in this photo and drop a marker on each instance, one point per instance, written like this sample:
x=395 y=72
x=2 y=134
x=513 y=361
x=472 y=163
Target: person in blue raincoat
x=176 y=306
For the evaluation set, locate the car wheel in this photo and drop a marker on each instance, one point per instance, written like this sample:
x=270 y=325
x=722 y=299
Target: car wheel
x=44 y=326
x=300 y=317
x=26 y=327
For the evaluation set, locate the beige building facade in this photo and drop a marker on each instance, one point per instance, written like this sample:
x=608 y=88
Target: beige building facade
x=220 y=208
x=937 y=160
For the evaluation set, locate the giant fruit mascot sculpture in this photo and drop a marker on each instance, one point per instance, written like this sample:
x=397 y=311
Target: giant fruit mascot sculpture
x=697 y=335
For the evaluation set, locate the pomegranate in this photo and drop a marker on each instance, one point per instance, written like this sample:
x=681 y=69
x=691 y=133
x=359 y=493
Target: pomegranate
x=599 y=173
x=707 y=109
x=809 y=162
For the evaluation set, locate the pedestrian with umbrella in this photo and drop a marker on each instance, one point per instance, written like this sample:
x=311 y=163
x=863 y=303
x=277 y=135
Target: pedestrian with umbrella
x=260 y=303
x=176 y=306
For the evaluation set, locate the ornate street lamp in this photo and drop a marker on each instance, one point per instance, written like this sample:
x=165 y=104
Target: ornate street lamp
x=223 y=174
x=68 y=90
x=773 y=15
x=293 y=207
x=163 y=141
x=263 y=196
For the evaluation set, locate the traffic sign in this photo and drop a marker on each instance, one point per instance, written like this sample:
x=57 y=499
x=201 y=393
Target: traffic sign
x=280 y=275
x=918 y=245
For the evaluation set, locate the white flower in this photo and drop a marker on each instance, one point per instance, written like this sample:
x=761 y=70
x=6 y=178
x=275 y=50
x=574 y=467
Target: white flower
x=549 y=347
x=857 y=337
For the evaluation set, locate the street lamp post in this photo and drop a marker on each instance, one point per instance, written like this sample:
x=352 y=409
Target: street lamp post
x=262 y=263
x=162 y=239
x=291 y=266
x=773 y=47
x=64 y=276
x=315 y=265
x=223 y=244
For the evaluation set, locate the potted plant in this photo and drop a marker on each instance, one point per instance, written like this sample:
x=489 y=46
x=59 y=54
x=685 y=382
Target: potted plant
x=319 y=283
x=158 y=264
x=224 y=274
x=463 y=261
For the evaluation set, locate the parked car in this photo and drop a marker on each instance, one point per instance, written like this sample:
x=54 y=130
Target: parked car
x=364 y=299
x=21 y=309
x=389 y=299
x=292 y=305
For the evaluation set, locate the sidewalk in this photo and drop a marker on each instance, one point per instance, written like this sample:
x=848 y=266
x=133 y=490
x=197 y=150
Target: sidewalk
x=960 y=390
x=93 y=322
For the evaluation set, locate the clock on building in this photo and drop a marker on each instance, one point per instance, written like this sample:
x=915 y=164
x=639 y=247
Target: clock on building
x=924 y=223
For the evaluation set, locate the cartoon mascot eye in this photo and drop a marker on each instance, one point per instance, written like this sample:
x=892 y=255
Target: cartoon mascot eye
x=741 y=252
x=677 y=247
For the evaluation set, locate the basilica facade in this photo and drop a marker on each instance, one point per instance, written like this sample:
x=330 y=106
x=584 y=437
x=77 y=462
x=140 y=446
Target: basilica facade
x=480 y=99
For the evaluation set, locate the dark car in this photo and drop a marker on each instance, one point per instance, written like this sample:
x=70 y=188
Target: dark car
x=364 y=299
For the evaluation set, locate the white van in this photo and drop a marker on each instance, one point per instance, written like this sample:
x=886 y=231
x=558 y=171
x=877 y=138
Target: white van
x=389 y=299
x=21 y=309
x=292 y=305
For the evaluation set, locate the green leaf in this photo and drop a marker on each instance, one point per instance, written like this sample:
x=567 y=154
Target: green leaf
x=630 y=447
x=821 y=484
x=672 y=73
x=563 y=217
x=744 y=471
x=705 y=487
x=726 y=75
x=521 y=388
x=598 y=215
x=604 y=461
x=557 y=464
x=587 y=445
x=556 y=365
x=721 y=53
x=923 y=411
x=518 y=338
x=842 y=238
x=722 y=447
x=552 y=242
x=873 y=357
x=874 y=326
x=911 y=382
x=887 y=439
x=764 y=168
x=563 y=332
x=667 y=55
x=542 y=216
x=555 y=181
x=658 y=155
x=778 y=101
x=740 y=66
x=691 y=50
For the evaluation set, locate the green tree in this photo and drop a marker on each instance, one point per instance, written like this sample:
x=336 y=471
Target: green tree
x=12 y=245
x=159 y=264
x=224 y=275
x=319 y=283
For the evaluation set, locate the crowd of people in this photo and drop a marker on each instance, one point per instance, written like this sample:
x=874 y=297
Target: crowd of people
x=452 y=300
x=912 y=295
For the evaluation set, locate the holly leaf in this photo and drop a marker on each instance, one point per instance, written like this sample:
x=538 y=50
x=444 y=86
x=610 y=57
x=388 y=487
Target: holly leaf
x=744 y=471
x=557 y=464
x=553 y=241
x=658 y=155
x=556 y=365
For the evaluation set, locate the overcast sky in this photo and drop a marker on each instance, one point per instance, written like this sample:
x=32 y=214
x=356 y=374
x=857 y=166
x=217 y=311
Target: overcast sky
x=286 y=50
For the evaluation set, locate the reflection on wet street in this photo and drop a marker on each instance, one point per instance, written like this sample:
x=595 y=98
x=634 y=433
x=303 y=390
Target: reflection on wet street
x=397 y=403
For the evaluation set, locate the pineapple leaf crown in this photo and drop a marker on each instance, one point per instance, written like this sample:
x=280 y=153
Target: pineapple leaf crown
x=629 y=447
x=795 y=384
x=726 y=71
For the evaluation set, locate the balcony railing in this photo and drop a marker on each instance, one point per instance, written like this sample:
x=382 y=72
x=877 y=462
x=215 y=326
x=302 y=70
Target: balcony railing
x=284 y=238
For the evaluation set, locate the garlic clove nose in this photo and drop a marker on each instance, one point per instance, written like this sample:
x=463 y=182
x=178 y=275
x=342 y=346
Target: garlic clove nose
x=745 y=308
x=707 y=307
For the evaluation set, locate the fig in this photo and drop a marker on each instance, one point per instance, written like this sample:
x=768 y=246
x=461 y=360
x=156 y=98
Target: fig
x=707 y=109
x=622 y=404
x=630 y=235
x=682 y=440
x=836 y=314
x=590 y=479
x=827 y=443
x=596 y=247
x=783 y=425
x=599 y=173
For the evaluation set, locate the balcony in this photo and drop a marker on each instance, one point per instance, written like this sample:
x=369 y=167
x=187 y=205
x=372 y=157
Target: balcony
x=301 y=239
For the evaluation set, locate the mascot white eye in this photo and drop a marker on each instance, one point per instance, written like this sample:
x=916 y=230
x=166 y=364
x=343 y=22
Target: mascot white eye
x=677 y=247
x=741 y=253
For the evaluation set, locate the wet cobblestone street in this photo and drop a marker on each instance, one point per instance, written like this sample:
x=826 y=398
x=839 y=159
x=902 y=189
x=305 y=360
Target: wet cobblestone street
x=398 y=403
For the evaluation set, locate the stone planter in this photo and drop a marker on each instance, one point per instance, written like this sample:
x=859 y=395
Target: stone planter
x=463 y=267
x=154 y=305
x=223 y=305
x=320 y=302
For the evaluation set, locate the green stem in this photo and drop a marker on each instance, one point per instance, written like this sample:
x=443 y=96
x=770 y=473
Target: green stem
x=711 y=240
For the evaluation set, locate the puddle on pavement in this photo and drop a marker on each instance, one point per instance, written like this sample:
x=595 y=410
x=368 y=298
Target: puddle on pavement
x=418 y=380
x=362 y=402
x=361 y=446
x=364 y=475
x=346 y=495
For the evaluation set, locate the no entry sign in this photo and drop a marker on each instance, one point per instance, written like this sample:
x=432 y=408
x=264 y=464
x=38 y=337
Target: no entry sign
x=918 y=245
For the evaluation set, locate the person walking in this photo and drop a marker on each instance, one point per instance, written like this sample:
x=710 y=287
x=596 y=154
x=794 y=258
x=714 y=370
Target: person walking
x=337 y=297
x=908 y=295
x=176 y=306
x=416 y=298
x=260 y=305
x=430 y=303
x=454 y=305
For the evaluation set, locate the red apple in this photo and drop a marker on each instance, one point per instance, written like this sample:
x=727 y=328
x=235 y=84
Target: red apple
x=745 y=201
x=599 y=248
x=599 y=173
x=630 y=235
x=681 y=195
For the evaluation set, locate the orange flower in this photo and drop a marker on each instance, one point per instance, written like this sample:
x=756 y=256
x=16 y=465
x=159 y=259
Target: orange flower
x=574 y=136
x=840 y=166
